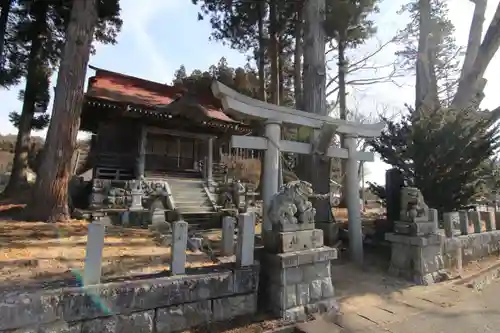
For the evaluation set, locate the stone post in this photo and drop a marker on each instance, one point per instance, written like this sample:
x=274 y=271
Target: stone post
x=475 y=217
x=246 y=240
x=497 y=220
x=271 y=168
x=93 y=254
x=434 y=217
x=353 y=204
x=179 y=246
x=450 y=220
x=490 y=220
x=228 y=224
x=464 y=222
x=210 y=160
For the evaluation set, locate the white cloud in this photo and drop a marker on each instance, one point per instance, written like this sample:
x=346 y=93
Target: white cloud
x=136 y=16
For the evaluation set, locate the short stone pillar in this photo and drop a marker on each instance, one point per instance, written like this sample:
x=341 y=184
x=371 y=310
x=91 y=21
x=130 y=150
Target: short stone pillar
x=228 y=224
x=416 y=246
x=464 y=222
x=489 y=218
x=136 y=194
x=297 y=276
x=434 y=217
x=93 y=254
x=246 y=240
x=475 y=218
x=179 y=246
x=451 y=221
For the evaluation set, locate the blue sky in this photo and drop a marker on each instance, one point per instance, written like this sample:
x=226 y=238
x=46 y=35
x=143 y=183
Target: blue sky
x=160 y=35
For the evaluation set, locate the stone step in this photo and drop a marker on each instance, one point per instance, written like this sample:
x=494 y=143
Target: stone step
x=193 y=202
x=184 y=181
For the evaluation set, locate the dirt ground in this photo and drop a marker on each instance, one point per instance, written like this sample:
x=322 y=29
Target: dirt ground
x=45 y=252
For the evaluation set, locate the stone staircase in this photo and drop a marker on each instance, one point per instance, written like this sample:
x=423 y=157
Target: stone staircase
x=190 y=197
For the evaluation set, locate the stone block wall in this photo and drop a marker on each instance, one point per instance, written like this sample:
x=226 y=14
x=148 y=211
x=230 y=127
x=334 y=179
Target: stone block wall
x=471 y=247
x=160 y=305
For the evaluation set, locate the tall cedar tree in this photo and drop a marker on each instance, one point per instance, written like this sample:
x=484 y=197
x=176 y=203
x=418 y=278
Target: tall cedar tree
x=445 y=147
x=39 y=35
x=50 y=194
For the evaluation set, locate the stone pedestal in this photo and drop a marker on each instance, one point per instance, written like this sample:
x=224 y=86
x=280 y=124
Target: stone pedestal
x=416 y=258
x=297 y=276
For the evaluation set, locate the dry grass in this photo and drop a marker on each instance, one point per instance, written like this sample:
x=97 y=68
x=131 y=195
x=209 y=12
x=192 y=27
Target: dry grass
x=33 y=252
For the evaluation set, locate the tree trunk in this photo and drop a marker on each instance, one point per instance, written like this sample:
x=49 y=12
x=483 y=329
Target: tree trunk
x=273 y=51
x=18 y=175
x=262 y=52
x=425 y=89
x=314 y=98
x=297 y=73
x=475 y=35
x=50 y=195
x=6 y=6
x=469 y=86
x=342 y=65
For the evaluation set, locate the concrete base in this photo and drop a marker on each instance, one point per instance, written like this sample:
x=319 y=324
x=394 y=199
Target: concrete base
x=299 y=283
x=416 y=258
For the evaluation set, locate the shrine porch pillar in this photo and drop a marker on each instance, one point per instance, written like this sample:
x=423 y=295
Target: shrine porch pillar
x=210 y=160
x=353 y=202
x=141 y=160
x=271 y=167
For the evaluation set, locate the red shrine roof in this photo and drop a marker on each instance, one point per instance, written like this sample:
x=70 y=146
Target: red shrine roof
x=123 y=88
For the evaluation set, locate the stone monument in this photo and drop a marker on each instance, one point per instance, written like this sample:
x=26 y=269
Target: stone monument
x=297 y=276
x=416 y=246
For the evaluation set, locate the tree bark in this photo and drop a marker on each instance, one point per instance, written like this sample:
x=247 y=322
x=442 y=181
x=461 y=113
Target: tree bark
x=314 y=98
x=273 y=51
x=297 y=73
x=425 y=88
x=18 y=175
x=50 y=195
x=262 y=52
x=475 y=35
x=468 y=87
x=6 y=6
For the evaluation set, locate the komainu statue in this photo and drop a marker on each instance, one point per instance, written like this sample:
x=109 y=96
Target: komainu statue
x=291 y=204
x=413 y=206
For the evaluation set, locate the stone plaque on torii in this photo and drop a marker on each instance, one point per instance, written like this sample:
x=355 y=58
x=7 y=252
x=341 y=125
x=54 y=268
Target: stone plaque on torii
x=242 y=107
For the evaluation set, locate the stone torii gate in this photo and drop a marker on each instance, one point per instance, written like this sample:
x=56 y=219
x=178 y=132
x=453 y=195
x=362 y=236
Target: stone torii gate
x=242 y=107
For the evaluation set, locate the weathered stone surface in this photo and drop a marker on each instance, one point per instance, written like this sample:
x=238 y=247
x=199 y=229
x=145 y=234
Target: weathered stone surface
x=296 y=241
x=100 y=325
x=416 y=263
x=74 y=304
x=27 y=309
x=283 y=297
x=230 y=307
x=303 y=294
x=293 y=227
x=315 y=290
x=316 y=271
x=181 y=317
x=327 y=289
x=473 y=246
x=138 y=322
x=57 y=327
x=298 y=258
x=296 y=314
x=246 y=279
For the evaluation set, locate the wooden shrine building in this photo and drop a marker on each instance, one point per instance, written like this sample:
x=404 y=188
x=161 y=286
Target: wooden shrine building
x=154 y=132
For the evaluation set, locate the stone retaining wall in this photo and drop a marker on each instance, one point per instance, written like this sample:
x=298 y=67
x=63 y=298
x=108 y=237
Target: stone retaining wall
x=473 y=247
x=160 y=305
